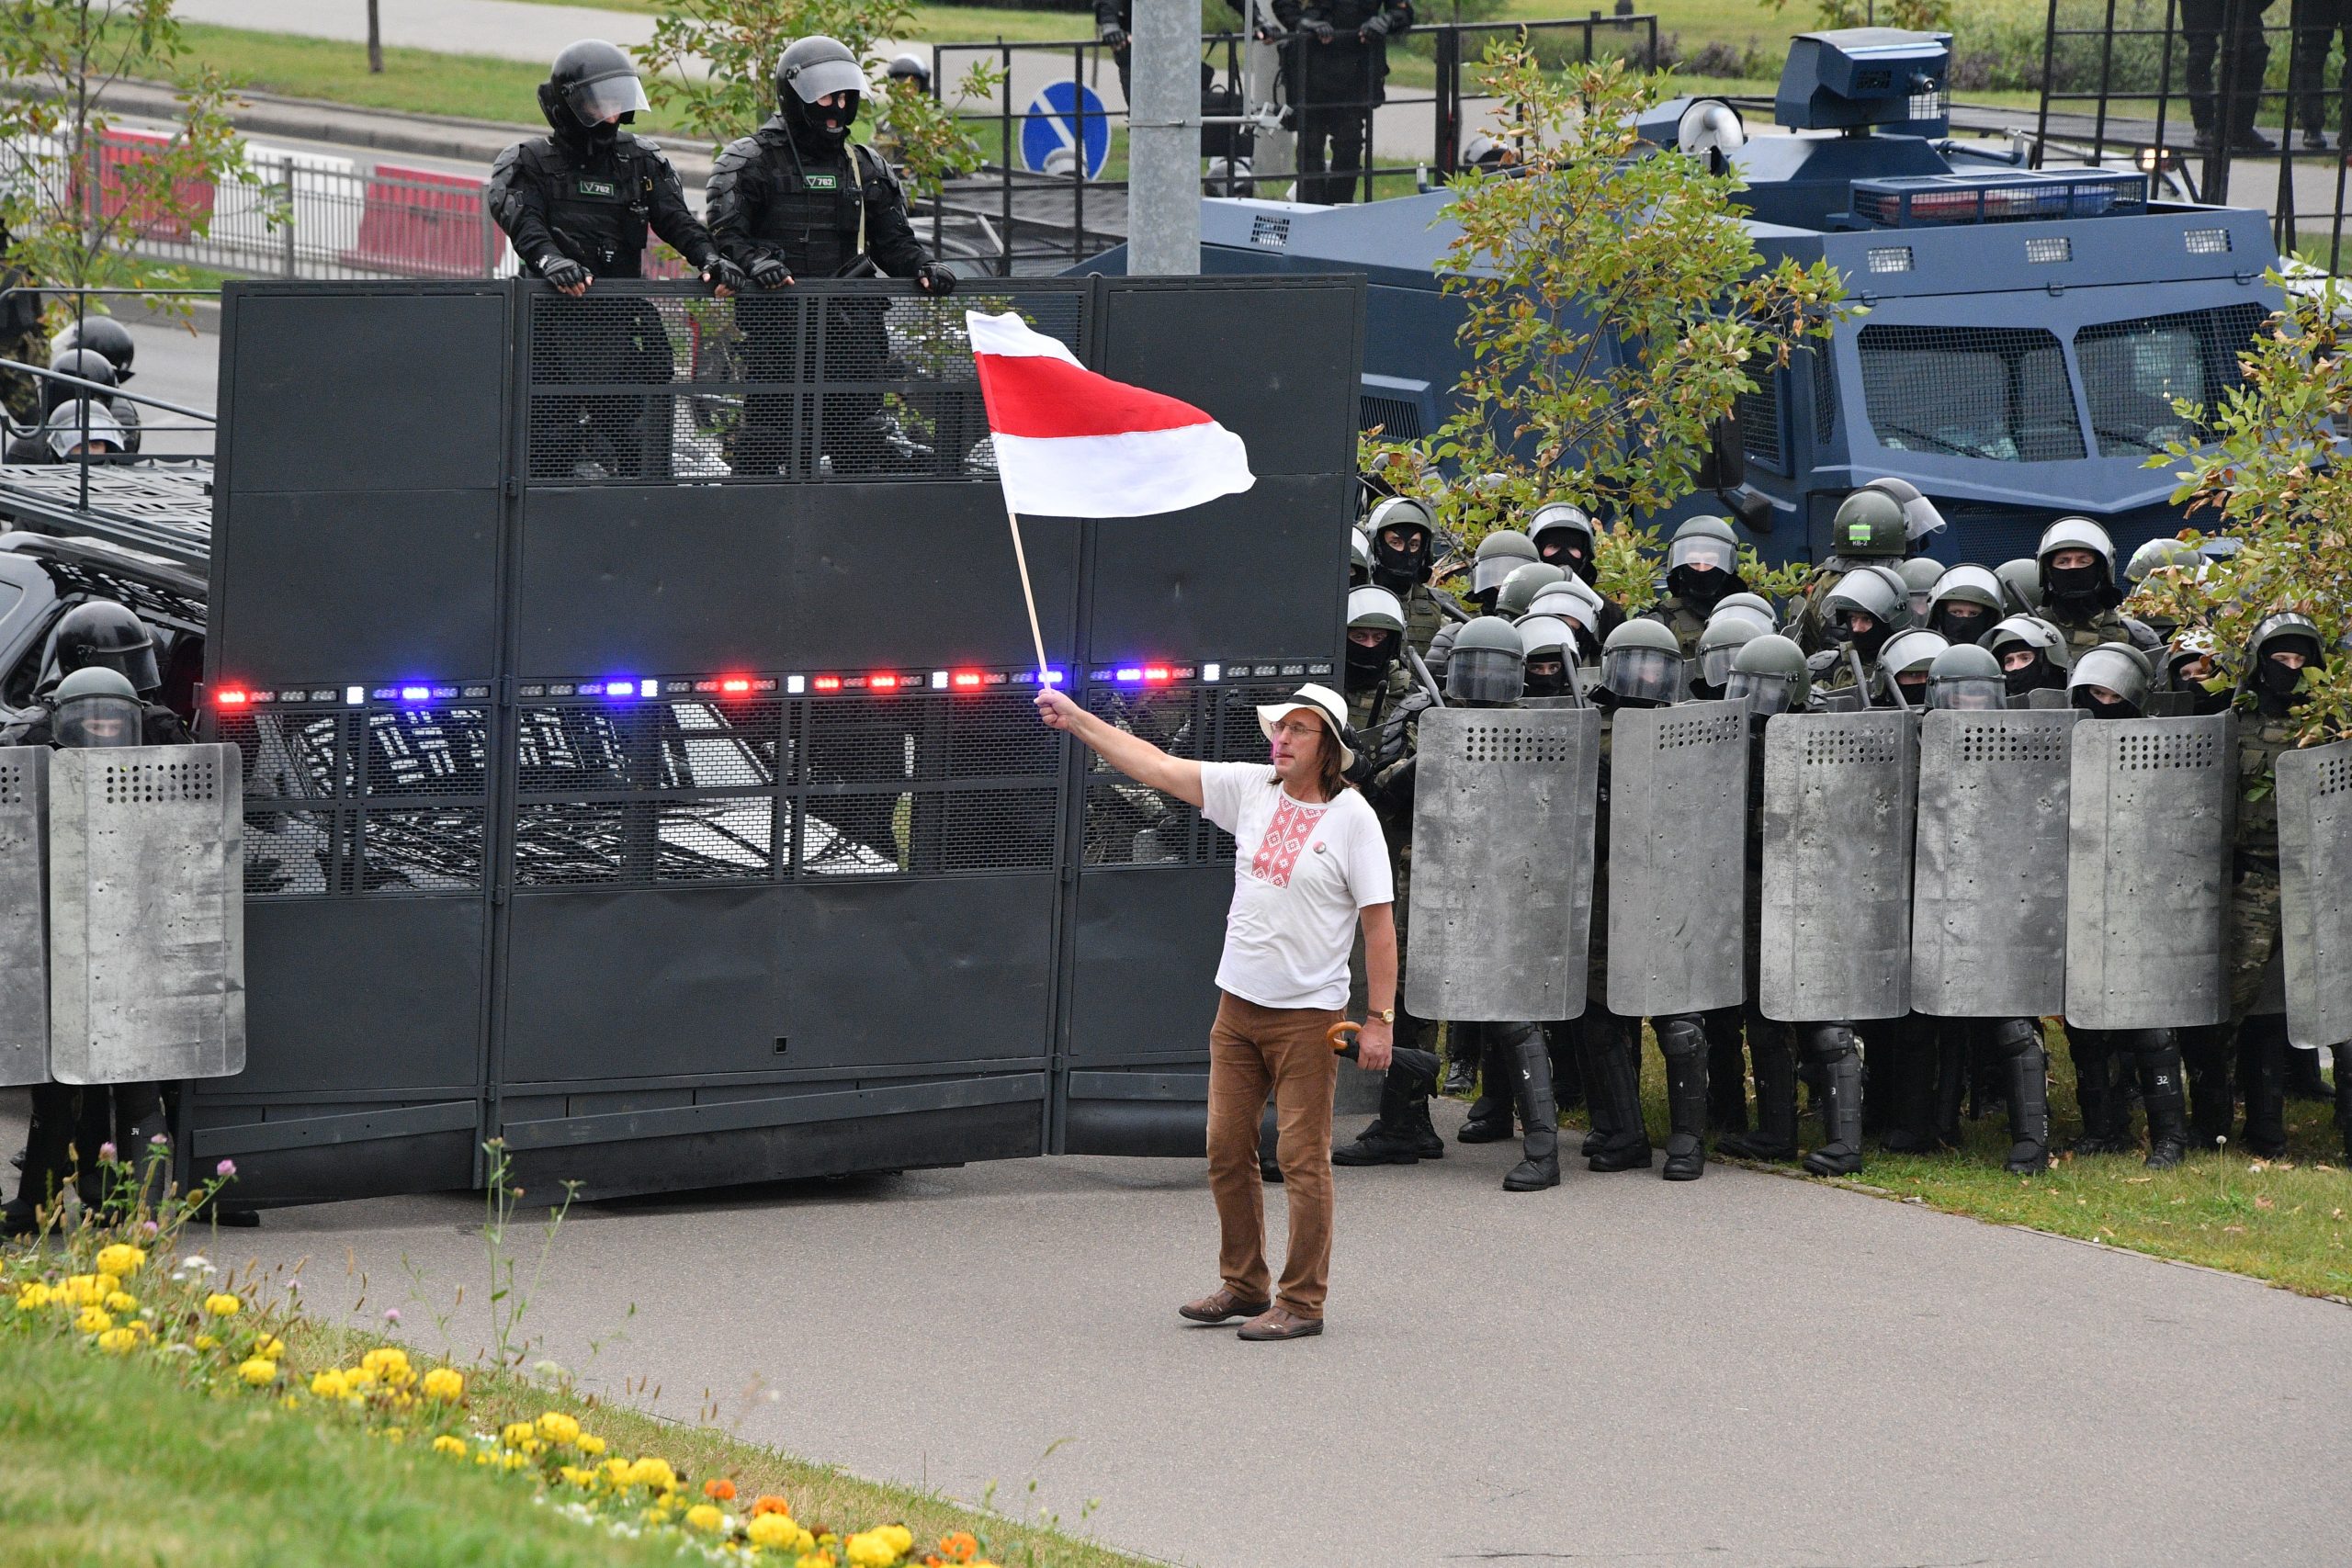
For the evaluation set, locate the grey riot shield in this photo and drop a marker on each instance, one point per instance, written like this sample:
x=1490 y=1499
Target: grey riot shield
x=1988 y=887
x=2147 y=872
x=23 y=941
x=1836 y=927
x=1678 y=860
x=2315 y=891
x=146 y=914
x=1502 y=912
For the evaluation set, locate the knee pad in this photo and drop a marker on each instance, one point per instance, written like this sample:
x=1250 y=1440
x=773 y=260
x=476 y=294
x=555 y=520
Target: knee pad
x=1681 y=1036
x=1826 y=1042
x=2149 y=1041
x=2013 y=1037
x=1506 y=1039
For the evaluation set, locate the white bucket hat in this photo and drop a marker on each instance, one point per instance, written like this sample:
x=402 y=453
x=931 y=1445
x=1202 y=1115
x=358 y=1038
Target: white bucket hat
x=1327 y=704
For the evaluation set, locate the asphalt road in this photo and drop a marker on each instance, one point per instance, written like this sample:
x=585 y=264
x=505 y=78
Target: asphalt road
x=1750 y=1371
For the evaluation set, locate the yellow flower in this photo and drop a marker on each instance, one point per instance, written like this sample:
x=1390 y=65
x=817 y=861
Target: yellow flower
x=329 y=1384
x=778 y=1532
x=591 y=1444
x=84 y=1290
x=118 y=1341
x=867 y=1549
x=814 y=1560
x=707 y=1516
x=257 y=1370
x=443 y=1384
x=121 y=1301
x=445 y=1444
x=34 y=1295
x=653 y=1472
x=655 y=1515
x=205 y=1342
x=557 y=1427
x=516 y=1461
x=122 y=1259
x=94 y=1320
x=221 y=1304
x=393 y=1434
x=899 y=1538
x=142 y=1327
x=577 y=1476
x=483 y=1456
x=383 y=1359
x=515 y=1434
x=271 y=1346
x=359 y=1379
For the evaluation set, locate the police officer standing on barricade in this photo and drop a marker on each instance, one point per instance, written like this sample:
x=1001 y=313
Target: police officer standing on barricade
x=1403 y=534
x=796 y=199
x=577 y=203
x=1339 y=55
x=96 y=705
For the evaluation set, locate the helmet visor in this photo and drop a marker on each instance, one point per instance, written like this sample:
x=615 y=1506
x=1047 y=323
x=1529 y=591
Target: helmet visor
x=1715 y=664
x=1764 y=693
x=88 y=723
x=1490 y=572
x=1485 y=675
x=1701 y=554
x=1642 y=674
x=606 y=98
x=1968 y=693
x=827 y=77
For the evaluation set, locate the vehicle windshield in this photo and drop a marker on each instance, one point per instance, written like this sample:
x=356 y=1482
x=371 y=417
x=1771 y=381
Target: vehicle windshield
x=2133 y=371
x=1996 y=393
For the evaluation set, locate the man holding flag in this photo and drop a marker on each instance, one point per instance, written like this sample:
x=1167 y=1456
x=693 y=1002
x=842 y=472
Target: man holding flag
x=1070 y=442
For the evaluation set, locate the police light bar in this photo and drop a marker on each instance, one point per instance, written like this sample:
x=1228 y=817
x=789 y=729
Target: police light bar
x=233 y=698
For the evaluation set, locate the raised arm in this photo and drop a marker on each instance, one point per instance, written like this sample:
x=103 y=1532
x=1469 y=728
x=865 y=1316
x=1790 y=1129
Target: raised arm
x=1131 y=754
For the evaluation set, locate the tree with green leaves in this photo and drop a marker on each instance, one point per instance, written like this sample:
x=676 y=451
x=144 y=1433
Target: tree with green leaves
x=1615 y=309
x=1921 y=16
x=2266 y=467
x=710 y=69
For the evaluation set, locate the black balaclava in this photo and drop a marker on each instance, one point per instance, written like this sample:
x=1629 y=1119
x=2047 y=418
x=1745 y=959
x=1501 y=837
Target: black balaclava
x=1396 y=570
x=1549 y=685
x=2276 y=689
x=1368 y=666
x=1956 y=626
x=1868 y=643
x=809 y=125
x=2033 y=677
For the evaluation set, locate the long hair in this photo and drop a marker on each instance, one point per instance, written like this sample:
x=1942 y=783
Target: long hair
x=1329 y=779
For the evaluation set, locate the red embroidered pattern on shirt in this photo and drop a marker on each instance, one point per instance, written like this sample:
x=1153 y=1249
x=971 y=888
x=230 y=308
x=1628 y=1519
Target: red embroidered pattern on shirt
x=1285 y=840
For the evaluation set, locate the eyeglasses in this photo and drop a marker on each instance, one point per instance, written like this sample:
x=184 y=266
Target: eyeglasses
x=1297 y=731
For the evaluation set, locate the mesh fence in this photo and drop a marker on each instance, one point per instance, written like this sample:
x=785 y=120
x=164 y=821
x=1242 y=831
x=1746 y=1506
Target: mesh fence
x=1998 y=393
x=814 y=382
x=2133 y=371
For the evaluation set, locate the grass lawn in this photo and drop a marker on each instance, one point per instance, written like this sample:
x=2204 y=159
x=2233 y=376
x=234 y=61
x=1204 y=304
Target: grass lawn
x=2288 y=1220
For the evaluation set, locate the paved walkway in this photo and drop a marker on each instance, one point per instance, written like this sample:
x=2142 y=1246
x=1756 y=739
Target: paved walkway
x=1753 y=1371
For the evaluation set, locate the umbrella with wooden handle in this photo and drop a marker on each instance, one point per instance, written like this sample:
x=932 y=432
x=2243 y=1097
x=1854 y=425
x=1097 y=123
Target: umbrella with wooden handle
x=1420 y=1067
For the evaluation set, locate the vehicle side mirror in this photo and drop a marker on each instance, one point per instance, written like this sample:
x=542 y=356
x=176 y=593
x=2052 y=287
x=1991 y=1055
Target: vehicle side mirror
x=1725 y=467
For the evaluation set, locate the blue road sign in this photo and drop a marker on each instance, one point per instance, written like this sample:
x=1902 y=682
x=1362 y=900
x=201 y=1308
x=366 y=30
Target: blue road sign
x=1054 y=115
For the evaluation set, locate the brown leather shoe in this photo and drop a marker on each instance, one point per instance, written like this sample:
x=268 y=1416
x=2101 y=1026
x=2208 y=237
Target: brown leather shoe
x=1280 y=1323
x=1218 y=1308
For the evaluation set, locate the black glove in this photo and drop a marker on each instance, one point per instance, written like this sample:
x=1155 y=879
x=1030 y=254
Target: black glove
x=562 y=271
x=769 y=273
x=1359 y=773
x=933 y=278
x=1375 y=28
x=720 y=273
x=1322 y=31
x=1112 y=36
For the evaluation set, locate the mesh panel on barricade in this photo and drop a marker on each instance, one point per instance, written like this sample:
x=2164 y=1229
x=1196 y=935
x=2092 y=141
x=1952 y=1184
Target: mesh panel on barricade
x=808 y=383
x=1994 y=392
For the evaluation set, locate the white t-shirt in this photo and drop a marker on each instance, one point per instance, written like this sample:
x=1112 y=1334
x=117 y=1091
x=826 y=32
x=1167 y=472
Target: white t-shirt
x=1300 y=873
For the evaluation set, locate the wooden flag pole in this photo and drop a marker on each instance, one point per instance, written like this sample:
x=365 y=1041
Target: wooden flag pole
x=1028 y=594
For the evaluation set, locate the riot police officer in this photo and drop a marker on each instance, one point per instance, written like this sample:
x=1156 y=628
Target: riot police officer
x=1868 y=529
x=2112 y=681
x=1965 y=603
x=577 y=203
x=1862 y=610
x=103 y=335
x=1771 y=675
x=2032 y=655
x=2021 y=585
x=1563 y=535
x=1337 y=61
x=99 y=634
x=1701 y=570
x=89 y=364
x=95 y=705
x=1718 y=645
x=1404 y=539
x=2076 y=563
x=1576 y=602
x=798 y=199
x=1904 y=665
x=1359 y=560
x=1501 y=553
x=1519 y=588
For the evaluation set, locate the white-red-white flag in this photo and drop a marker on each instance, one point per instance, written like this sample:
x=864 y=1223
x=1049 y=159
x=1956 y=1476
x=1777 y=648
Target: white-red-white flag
x=1070 y=442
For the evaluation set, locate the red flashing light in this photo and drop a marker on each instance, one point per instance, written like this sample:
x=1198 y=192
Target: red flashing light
x=1155 y=674
x=735 y=685
x=965 y=679
x=883 y=682
x=827 y=683
x=233 y=698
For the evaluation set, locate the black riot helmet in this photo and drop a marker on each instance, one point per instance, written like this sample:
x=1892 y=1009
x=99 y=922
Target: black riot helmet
x=912 y=68
x=817 y=67
x=1488 y=665
x=99 y=634
x=590 y=90
x=104 y=335
x=87 y=362
x=95 y=708
x=1401 y=529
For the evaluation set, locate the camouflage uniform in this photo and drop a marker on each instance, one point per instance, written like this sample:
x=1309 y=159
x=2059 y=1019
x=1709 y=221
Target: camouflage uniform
x=1683 y=619
x=1810 y=625
x=2107 y=626
x=1387 y=721
x=2253 y=916
x=1422 y=617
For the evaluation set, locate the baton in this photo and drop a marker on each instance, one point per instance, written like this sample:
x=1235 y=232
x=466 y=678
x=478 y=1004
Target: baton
x=1418 y=1066
x=1861 y=682
x=1421 y=673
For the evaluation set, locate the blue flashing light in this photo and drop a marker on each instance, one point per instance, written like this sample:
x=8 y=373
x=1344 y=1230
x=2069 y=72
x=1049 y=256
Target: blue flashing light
x=1054 y=677
x=625 y=687
x=416 y=693
x=1129 y=673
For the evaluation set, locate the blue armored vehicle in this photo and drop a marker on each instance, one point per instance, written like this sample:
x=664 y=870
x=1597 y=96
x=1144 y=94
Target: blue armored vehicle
x=2027 y=329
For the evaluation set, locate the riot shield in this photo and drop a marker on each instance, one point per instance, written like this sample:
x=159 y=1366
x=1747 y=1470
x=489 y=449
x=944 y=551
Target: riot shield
x=146 y=914
x=1988 y=887
x=1838 y=806
x=23 y=941
x=1678 y=860
x=1501 y=910
x=2315 y=891
x=2148 y=872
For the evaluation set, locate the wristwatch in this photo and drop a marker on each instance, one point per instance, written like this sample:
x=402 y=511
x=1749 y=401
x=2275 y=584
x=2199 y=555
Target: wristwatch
x=1386 y=1015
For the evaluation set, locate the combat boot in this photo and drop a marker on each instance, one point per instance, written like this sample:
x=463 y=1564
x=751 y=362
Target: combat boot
x=2159 y=1062
x=1395 y=1135
x=1775 y=1137
x=2018 y=1042
x=1683 y=1042
x=1599 y=1113
x=2205 y=1064
x=1726 y=1073
x=1625 y=1143
x=1460 y=1060
x=2304 y=1080
x=1490 y=1114
x=2105 y=1117
x=1903 y=1086
x=1540 y=1113
x=1841 y=1070
x=2262 y=1041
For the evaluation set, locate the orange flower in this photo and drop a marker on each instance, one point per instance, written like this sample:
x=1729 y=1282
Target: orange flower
x=960 y=1546
x=722 y=1490
x=770 y=1503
